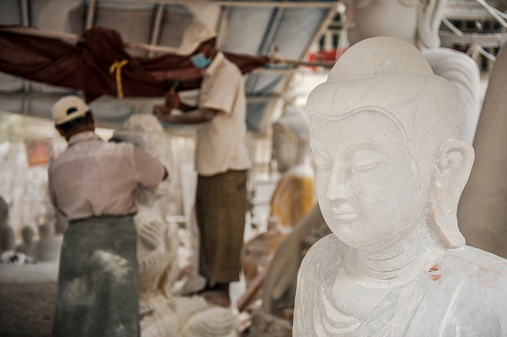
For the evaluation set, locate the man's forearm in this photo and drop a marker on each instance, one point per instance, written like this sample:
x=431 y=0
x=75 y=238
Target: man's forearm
x=192 y=117
x=185 y=108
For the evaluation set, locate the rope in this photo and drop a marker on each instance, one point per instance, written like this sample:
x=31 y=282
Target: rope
x=116 y=67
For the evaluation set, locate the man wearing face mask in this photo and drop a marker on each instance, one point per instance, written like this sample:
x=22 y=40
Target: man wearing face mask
x=221 y=159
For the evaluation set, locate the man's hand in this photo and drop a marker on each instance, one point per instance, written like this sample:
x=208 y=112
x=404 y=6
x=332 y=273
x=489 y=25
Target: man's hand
x=160 y=111
x=172 y=101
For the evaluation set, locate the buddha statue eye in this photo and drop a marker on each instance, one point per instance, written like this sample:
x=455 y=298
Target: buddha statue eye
x=363 y=160
x=323 y=160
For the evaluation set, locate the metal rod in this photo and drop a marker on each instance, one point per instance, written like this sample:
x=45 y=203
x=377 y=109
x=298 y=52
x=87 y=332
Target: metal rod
x=161 y=49
x=75 y=37
x=485 y=40
x=25 y=19
x=250 y=83
x=157 y=26
x=323 y=26
x=36 y=32
x=90 y=14
x=297 y=63
x=492 y=12
x=483 y=52
x=452 y=27
x=251 y=4
x=274 y=27
x=219 y=25
x=274 y=70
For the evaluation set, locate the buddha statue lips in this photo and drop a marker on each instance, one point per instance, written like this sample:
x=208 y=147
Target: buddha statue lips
x=344 y=213
x=385 y=133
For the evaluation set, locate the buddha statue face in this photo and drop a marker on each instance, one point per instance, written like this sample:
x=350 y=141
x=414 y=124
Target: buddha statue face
x=369 y=187
x=384 y=132
x=414 y=21
x=285 y=148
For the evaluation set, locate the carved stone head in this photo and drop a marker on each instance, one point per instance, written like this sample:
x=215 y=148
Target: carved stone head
x=290 y=138
x=385 y=135
x=145 y=132
x=415 y=21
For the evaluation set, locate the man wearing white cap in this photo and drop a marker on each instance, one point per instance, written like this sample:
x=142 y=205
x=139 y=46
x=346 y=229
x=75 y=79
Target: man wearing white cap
x=221 y=159
x=92 y=184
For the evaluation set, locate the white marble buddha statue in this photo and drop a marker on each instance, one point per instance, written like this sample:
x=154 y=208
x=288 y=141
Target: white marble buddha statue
x=391 y=166
x=418 y=22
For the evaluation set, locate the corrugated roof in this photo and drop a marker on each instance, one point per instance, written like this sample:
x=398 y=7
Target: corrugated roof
x=251 y=27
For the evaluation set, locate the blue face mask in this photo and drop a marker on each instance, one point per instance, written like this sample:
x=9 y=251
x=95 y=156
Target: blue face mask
x=200 y=61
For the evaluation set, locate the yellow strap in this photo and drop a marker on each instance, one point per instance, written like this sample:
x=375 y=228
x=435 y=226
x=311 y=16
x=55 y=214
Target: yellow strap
x=117 y=67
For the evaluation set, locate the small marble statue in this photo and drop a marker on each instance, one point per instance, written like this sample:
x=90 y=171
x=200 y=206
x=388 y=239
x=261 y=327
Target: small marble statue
x=27 y=245
x=391 y=166
x=7 y=239
x=47 y=248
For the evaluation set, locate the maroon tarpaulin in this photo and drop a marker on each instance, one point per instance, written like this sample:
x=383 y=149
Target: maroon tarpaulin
x=87 y=64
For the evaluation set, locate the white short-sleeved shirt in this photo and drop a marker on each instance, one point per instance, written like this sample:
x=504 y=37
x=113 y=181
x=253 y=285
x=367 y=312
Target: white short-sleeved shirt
x=221 y=142
x=94 y=178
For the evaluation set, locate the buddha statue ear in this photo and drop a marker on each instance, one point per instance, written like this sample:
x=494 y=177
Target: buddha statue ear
x=450 y=175
x=429 y=17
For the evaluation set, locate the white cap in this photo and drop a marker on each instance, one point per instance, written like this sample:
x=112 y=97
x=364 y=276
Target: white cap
x=194 y=35
x=68 y=108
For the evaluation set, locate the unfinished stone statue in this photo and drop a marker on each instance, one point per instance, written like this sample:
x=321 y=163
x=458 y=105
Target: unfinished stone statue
x=47 y=248
x=162 y=313
x=294 y=195
x=27 y=246
x=157 y=238
x=279 y=288
x=7 y=239
x=385 y=132
x=482 y=210
x=417 y=22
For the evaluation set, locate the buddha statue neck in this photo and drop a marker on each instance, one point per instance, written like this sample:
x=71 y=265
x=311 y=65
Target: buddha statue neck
x=397 y=264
